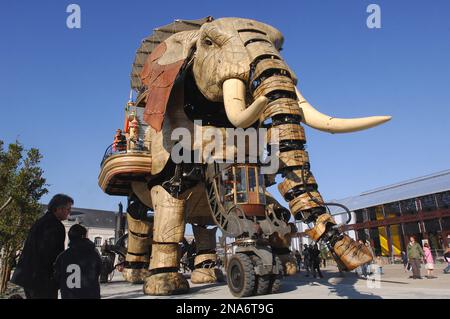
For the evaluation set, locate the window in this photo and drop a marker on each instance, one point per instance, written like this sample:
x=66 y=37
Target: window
x=375 y=238
x=241 y=185
x=408 y=206
x=428 y=202
x=261 y=190
x=251 y=179
x=392 y=209
x=359 y=214
x=226 y=186
x=411 y=228
x=98 y=241
x=379 y=212
x=432 y=226
x=445 y=222
x=111 y=241
x=372 y=213
x=361 y=234
x=443 y=199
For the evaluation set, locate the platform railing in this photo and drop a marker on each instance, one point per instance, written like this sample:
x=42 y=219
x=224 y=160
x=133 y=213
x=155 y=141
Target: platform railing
x=123 y=148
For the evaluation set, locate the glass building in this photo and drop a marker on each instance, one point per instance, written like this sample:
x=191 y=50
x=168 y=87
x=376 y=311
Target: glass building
x=387 y=216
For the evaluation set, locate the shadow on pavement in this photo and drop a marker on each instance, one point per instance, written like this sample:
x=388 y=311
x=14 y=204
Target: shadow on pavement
x=340 y=286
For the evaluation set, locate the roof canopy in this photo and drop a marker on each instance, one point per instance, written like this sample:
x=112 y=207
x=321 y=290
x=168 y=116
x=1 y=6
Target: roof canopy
x=429 y=184
x=150 y=43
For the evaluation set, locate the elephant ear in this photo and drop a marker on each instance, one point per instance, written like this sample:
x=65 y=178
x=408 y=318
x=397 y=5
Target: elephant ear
x=160 y=71
x=149 y=45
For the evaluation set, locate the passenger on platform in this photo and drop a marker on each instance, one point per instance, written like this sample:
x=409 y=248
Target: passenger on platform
x=120 y=142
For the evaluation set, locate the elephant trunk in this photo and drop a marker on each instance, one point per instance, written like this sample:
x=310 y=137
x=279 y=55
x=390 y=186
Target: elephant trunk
x=271 y=78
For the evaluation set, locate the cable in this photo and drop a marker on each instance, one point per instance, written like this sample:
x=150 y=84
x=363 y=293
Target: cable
x=323 y=203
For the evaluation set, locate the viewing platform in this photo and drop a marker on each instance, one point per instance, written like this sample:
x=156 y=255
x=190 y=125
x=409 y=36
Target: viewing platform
x=122 y=166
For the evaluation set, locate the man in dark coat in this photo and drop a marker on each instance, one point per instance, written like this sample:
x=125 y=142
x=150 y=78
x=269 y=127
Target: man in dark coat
x=315 y=261
x=78 y=269
x=298 y=258
x=45 y=241
x=306 y=259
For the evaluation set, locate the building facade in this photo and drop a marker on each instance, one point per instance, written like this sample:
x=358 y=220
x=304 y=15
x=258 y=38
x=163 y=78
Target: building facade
x=100 y=224
x=389 y=215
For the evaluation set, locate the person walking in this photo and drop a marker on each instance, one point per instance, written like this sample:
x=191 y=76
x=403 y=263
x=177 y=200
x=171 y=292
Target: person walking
x=315 y=261
x=298 y=258
x=77 y=270
x=415 y=255
x=429 y=261
x=447 y=259
x=323 y=256
x=45 y=241
x=363 y=268
x=306 y=258
x=405 y=261
x=372 y=253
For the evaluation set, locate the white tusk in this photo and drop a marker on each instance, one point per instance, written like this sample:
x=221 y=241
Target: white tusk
x=322 y=122
x=234 y=101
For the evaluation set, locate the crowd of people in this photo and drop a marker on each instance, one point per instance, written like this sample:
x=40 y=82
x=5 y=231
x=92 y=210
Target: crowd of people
x=311 y=260
x=415 y=255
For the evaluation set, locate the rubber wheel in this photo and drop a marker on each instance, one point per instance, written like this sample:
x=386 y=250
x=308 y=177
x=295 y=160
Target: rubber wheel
x=241 y=275
x=275 y=283
x=262 y=283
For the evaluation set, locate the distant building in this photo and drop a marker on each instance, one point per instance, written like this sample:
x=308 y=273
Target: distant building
x=388 y=215
x=99 y=223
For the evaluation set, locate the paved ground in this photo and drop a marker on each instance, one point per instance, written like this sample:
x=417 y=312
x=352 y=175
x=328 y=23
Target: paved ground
x=393 y=284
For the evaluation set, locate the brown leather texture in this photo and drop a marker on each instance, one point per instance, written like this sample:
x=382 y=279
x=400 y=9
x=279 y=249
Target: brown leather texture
x=159 y=80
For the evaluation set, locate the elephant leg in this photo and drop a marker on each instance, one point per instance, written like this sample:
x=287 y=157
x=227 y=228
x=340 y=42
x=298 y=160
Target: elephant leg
x=168 y=232
x=280 y=244
x=139 y=243
x=205 y=261
x=282 y=117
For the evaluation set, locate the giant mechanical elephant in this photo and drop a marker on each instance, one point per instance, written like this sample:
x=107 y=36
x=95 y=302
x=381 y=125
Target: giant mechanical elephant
x=228 y=73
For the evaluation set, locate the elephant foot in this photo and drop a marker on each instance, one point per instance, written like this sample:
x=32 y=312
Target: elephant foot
x=206 y=275
x=350 y=253
x=135 y=276
x=289 y=264
x=166 y=284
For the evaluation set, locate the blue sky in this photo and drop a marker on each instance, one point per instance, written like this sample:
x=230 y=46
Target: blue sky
x=63 y=91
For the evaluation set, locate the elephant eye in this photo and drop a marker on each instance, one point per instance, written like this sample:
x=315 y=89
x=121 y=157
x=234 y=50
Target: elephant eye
x=207 y=42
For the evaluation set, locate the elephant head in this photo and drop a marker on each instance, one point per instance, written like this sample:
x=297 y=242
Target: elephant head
x=224 y=57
